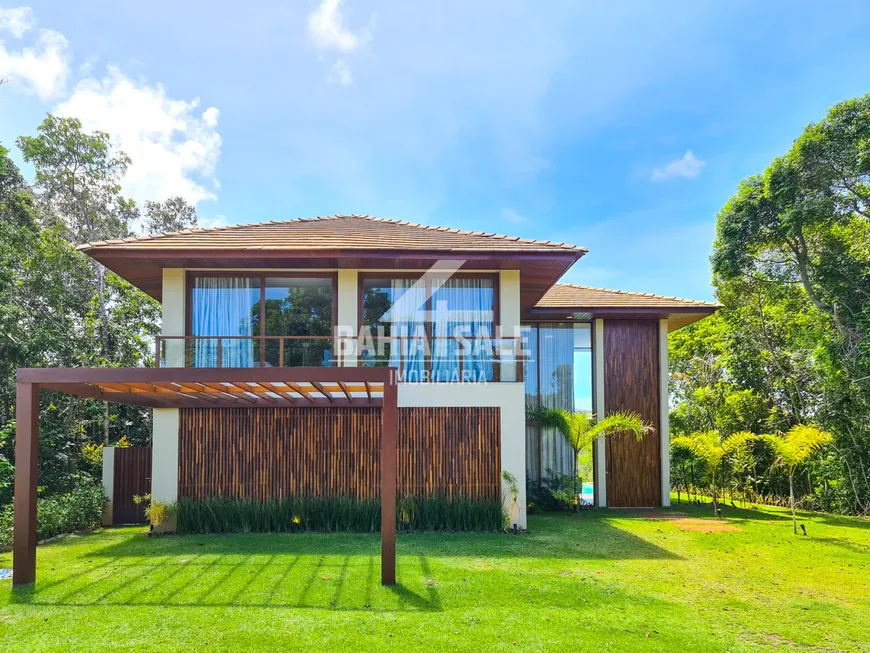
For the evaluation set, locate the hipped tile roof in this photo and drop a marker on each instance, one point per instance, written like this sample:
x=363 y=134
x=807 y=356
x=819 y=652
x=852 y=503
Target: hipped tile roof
x=565 y=295
x=336 y=232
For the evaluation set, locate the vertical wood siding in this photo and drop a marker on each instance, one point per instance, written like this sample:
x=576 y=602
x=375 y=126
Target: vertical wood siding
x=132 y=477
x=631 y=383
x=272 y=453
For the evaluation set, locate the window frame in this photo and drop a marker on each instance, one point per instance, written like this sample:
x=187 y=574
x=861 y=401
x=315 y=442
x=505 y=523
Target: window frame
x=495 y=277
x=262 y=276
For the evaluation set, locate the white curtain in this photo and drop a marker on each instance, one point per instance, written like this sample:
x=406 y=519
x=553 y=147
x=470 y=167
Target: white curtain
x=407 y=317
x=222 y=306
x=556 y=362
x=462 y=325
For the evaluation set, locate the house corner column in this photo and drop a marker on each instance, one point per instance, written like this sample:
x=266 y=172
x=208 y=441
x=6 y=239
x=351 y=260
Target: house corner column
x=108 y=484
x=347 y=320
x=664 y=417
x=512 y=418
x=164 y=455
x=598 y=393
x=509 y=321
x=174 y=291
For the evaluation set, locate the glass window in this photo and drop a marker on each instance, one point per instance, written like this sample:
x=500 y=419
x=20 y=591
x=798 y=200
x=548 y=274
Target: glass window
x=298 y=306
x=230 y=307
x=558 y=375
x=430 y=338
x=462 y=330
x=225 y=306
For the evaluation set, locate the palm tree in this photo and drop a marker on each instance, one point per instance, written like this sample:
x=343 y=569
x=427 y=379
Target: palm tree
x=581 y=429
x=711 y=449
x=793 y=449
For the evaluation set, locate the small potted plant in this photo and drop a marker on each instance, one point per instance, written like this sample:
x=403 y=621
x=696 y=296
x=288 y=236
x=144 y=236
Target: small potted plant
x=160 y=515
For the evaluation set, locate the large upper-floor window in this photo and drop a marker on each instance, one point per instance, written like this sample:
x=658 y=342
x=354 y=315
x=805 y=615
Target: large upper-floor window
x=558 y=375
x=439 y=330
x=263 y=320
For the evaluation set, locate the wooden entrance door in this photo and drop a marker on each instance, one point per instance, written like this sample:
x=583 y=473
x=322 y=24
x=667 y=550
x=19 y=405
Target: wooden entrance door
x=132 y=477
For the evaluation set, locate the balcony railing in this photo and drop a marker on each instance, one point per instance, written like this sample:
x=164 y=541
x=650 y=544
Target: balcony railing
x=438 y=359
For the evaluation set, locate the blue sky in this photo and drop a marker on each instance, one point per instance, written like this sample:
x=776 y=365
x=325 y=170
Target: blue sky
x=622 y=127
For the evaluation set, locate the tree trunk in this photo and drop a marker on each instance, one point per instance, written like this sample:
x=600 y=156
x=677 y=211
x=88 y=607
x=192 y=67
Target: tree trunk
x=791 y=500
x=574 y=498
x=715 y=505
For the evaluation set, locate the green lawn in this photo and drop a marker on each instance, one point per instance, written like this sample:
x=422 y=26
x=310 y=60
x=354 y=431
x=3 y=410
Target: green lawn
x=599 y=581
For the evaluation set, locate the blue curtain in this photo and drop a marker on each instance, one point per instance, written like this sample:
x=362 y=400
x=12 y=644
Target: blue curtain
x=462 y=325
x=407 y=317
x=223 y=306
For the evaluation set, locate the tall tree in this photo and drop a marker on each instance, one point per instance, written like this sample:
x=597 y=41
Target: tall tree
x=175 y=214
x=78 y=179
x=791 y=264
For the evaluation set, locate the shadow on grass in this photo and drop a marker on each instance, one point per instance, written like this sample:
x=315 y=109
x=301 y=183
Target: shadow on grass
x=338 y=572
x=767 y=514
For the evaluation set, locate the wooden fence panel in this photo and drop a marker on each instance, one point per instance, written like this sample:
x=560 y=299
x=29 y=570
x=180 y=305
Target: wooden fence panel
x=271 y=453
x=132 y=477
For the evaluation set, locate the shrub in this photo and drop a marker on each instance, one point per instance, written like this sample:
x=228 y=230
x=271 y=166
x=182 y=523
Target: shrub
x=79 y=510
x=336 y=514
x=556 y=492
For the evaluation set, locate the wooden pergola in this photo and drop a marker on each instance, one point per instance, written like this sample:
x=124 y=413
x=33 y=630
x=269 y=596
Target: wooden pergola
x=202 y=388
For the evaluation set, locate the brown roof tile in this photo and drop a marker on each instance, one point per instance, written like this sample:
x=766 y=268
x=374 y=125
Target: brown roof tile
x=565 y=295
x=335 y=232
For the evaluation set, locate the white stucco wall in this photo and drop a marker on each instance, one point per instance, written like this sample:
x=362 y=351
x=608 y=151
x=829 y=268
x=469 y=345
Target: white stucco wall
x=164 y=455
x=509 y=314
x=664 y=418
x=173 y=315
x=348 y=310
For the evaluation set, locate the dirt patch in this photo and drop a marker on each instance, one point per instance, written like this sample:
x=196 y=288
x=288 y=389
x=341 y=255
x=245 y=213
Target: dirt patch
x=706 y=525
x=684 y=522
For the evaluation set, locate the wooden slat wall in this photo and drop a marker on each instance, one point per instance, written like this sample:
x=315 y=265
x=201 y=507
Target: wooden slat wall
x=631 y=383
x=132 y=477
x=271 y=453
x=451 y=450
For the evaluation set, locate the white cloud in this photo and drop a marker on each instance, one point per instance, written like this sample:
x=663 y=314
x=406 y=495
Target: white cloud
x=42 y=67
x=327 y=31
x=513 y=217
x=17 y=21
x=340 y=74
x=689 y=167
x=173 y=146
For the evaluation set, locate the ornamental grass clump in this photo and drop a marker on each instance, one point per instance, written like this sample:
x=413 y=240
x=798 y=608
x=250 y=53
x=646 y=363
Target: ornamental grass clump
x=337 y=514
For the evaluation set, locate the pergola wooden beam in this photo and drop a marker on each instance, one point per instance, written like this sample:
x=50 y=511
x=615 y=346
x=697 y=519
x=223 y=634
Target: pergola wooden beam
x=389 y=457
x=196 y=388
x=26 y=468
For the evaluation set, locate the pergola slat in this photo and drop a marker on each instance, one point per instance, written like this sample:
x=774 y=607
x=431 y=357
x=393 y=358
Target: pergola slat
x=322 y=390
x=344 y=389
x=301 y=391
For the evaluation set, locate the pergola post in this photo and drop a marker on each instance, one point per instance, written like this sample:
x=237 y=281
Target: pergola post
x=26 y=467
x=389 y=427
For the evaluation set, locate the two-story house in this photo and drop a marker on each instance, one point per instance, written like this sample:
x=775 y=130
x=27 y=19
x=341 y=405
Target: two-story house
x=475 y=327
